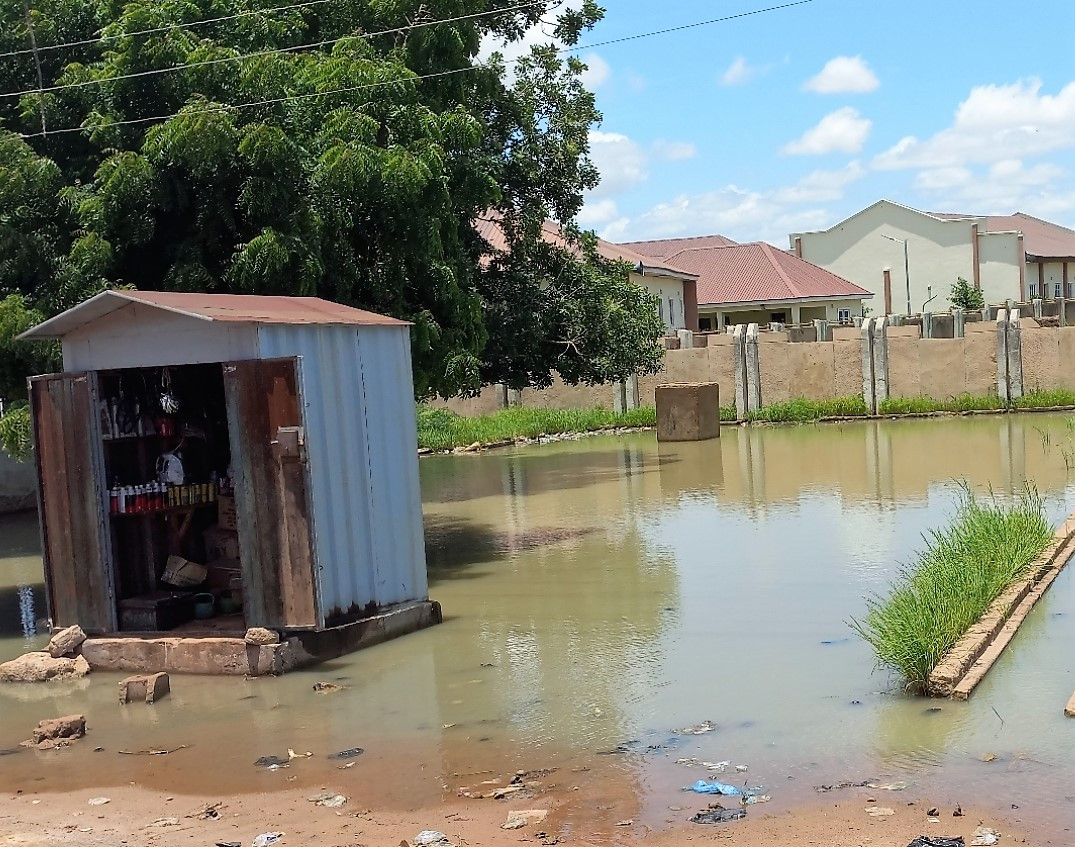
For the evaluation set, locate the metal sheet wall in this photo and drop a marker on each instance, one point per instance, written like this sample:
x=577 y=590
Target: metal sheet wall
x=361 y=444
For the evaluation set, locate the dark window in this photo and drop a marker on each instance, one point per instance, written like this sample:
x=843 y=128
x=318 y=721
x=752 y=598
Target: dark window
x=705 y=325
x=778 y=317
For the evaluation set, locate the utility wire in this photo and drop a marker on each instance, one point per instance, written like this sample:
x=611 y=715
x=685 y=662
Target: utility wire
x=273 y=52
x=222 y=107
x=104 y=38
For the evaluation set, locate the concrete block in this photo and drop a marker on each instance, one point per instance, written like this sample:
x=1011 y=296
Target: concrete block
x=149 y=687
x=55 y=729
x=66 y=642
x=959 y=320
x=688 y=411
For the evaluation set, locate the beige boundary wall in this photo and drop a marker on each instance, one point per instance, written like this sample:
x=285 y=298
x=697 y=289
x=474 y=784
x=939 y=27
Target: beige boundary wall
x=876 y=361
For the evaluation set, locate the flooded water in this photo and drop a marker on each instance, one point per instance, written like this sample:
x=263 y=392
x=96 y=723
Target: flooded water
x=600 y=594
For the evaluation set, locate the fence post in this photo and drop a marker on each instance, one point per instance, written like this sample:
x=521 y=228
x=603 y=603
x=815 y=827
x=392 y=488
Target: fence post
x=866 y=337
x=959 y=319
x=619 y=398
x=1015 y=356
x=821 y=329
x=739 y=363
x=753 y=369
x=1037 y=304
x=927 y=324
x=880 y=360
x=515 y=397
x=501 y=395
x=686 y=339
x=630 y=391
x=1002 y=356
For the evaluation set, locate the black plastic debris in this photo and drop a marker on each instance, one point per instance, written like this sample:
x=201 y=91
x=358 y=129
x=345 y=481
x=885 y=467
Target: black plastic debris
x=718 y=814
x=936 y=841
x=271 y=762
x=349 y=753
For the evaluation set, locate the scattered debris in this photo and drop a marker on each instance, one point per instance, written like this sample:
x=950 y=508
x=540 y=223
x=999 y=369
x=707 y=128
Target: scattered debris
x=41 y=667
x=266 y=838
x=99 y=801
x=741 y=768
x=628 y=822
x=327 y=687
x=431 y=838
x=985 y=836
x=989 y=757
x=958 y=813
x=328 y=799
x=208 y=812
x=506 y=791
x=824 y=789
x=66 y=642
x=161 y=823
x=291 y=754
x=933 y=813
x=879 y=811
x=519 y=819
x=889 y=786
x=272 y=762
x=151 y=752
x=57 y=732
x=349 y=753
x=698 y=729
x=757 y=798
x=229 y=844
x=703 y=787
x=927 y=841
x=718 y=814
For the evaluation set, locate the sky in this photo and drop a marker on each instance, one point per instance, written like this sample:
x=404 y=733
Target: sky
x=796 y=118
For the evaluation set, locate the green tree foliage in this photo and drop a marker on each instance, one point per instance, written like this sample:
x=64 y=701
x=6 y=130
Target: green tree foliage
x=313 y=151
x=966 y=296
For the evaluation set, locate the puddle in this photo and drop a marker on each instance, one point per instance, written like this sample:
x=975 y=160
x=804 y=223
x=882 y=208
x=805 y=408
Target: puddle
x=599 y=594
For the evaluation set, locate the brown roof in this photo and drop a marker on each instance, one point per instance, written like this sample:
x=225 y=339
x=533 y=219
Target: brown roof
x=1041 y=239
x=232 y=308
x=760 y=273
x=489 y=228
x=663 y=248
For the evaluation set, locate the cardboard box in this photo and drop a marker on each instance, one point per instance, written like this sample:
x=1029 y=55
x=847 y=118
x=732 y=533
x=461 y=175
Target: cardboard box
x=221 y=543
x=226 y=513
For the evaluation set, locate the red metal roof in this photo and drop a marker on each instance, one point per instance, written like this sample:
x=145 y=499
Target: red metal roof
x=1042 y=239
x=489 y=228
x=663 y=248
x=760 y=273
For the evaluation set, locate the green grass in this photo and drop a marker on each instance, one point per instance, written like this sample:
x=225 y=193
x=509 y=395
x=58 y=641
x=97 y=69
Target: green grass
x=926 y=405
x=727 y=413
x=963 y=568
x=440 y=429
x=1046 y=399
x=801 y=410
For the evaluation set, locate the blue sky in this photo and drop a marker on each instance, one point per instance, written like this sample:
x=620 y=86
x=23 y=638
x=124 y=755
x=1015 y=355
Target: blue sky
x=796 y=118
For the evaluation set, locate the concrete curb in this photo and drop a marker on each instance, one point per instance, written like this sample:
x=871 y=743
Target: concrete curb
x=967 y=663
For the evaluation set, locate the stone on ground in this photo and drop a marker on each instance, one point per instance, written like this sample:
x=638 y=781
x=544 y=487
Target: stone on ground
x=41 y=667
x=66 y=642
x=261 y=637
x=57 y=729
x=519 y=819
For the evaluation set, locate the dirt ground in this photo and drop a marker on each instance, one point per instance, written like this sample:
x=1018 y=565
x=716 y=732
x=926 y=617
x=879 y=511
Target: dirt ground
x=134 y=816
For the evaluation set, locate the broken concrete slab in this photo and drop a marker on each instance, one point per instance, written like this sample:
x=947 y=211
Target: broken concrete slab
x=518 y=819
x=148 y=687
x=261 y=637
x=66 y=642
x=41 y=667
x=56 y=732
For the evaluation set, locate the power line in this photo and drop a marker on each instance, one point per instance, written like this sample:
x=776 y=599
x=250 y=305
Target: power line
x=223 y=107
x=103 y=38
x=273 y=52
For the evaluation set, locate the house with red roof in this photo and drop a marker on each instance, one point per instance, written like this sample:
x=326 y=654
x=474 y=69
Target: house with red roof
x=756 y=283
x=910 y=258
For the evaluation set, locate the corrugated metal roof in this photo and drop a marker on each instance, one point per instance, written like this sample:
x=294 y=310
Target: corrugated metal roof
x=662 y=248
x=233 y=308
x=489 y=228
x=759 y=273
x=1043 y=239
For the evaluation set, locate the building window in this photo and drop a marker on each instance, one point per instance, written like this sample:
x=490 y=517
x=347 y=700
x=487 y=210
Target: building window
x=671 y=313
x=705 y=324
x=1033 y=290
x=660 y=308
x=844 y=316
x=1058 y=291
x=778 y=317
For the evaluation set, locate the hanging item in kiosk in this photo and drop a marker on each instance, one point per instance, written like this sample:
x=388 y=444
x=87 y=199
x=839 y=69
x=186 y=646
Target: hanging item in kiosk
x=168 y=401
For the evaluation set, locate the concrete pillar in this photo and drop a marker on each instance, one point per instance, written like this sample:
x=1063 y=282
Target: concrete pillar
x=515 y=397
x=857 y=320
x=630 y=391
x=1015 y=356
x=866 y=338
x=894 y=320
x=739 y=362
x=754 y=397
x=821 y=328
x=1037 y=304
x=619 y=398
x=796 y=314
x=987 y=314
x=686 y=339
x=1002 y=356
x=880 y=360
x=959 y=319
x=501 y=395
x=927 y=324
x=777 y=327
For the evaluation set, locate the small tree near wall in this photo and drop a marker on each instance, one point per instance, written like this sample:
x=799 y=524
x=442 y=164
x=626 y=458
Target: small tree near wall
x=965 y=296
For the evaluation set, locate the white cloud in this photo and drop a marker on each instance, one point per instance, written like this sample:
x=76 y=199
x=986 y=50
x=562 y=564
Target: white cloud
x=597 y=71
x=844 y=75
x=598 y=214
x=739 y=72
x=821 y=186
x=674 y=151
x=939 y=179
x=619 y=160
x=994 y=123
x=514 y=50
x=1002 y=188
x=843 y=131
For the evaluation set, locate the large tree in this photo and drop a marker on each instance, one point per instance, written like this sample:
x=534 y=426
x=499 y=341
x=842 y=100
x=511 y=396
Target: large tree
x=339 y=148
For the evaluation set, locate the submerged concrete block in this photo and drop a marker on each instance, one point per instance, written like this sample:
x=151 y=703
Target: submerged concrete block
x=688 y=411
x=149 y=687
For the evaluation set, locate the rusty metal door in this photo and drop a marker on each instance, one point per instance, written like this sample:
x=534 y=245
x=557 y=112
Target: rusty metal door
x=268 y=453
x=71 y=501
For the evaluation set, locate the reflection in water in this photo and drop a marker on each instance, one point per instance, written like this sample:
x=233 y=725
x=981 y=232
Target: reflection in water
x=599 y=593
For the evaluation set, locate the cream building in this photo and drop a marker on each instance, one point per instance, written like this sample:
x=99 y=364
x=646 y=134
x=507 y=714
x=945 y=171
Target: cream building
x=1008 y=257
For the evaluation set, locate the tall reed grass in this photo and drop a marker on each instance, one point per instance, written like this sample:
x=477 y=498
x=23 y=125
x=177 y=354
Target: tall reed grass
x=963 y=568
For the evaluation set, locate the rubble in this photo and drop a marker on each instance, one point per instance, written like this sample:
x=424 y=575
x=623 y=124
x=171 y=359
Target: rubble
x=66 y=642
x=41 y=667
x=57 y=732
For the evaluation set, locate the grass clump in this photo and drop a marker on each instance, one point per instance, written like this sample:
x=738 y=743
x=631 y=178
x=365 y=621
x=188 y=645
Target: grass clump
x=927 y=405
x=728 y=413
x=441 y=429
x=1045 y=399
x=802 y=410
x=963 y=568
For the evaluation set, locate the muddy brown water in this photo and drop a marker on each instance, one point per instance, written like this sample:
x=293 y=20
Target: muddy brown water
x=600 y=594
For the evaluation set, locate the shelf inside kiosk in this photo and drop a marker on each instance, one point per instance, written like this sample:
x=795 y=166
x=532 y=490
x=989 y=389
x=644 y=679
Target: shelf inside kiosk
x=175 y=550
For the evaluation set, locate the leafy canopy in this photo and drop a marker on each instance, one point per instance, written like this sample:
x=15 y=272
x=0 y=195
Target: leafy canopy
x=966 y=296
x=307 y=151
